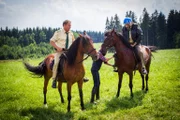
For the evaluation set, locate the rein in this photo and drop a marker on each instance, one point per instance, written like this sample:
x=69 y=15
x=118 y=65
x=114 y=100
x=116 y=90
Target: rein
x=88 y=54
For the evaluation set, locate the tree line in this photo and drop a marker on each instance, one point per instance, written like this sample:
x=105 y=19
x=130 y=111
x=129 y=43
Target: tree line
x=32 y=42
x=157 y=30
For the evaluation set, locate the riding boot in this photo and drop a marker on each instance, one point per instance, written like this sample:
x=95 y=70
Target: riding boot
x=85 y=79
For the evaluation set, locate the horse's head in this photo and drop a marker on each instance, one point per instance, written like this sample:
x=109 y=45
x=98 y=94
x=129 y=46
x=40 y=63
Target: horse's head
x=88 y=47
x=109 y=40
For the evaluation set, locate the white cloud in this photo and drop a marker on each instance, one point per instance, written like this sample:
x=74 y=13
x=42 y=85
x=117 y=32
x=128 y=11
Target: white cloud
x=84 y=14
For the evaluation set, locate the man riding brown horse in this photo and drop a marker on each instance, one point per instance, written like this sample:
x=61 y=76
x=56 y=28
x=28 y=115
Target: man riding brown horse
x=61 y=41
x=133 y=34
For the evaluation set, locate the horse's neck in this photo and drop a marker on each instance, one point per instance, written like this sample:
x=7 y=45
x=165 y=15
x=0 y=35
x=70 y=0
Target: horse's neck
x=120 y=47
x=79 y=58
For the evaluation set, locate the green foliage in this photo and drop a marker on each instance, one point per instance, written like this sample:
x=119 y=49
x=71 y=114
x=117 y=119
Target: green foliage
x=33 y=43
x=21 y=96
x=30 y=51
x=158 y=30
x=177 y=39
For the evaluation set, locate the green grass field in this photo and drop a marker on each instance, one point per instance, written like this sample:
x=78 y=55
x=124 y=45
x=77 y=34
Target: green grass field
x=21 y=95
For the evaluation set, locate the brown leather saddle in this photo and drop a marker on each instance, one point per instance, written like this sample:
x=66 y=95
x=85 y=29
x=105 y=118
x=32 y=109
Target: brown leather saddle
x=136 y=57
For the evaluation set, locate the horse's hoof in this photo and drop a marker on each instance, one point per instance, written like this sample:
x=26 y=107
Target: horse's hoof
x=132 y=95
x=62 y=101
x=45 y=106
x=83 y=109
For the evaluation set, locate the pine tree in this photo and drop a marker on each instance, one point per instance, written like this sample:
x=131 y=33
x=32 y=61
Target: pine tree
x=145 y=26
x=153 y=28
x=132 y=15
x=107 y=24
x=111 y=25
x=161 y=31
x=170 y=29
x=117 y=23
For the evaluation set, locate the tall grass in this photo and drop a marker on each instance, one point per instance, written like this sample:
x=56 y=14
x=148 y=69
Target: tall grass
x=21 y=95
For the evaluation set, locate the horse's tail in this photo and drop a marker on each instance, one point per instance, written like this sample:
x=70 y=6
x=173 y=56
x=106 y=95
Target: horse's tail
x=153 y=48
x=36 y=70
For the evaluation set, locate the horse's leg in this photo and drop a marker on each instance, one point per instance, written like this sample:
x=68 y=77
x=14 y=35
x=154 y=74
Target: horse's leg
x=119 y=84
x=46 y=80
x=142 y=76
x=80 y=83
x=147 y=77
x=69 y=85
x=130 y=83
x=60 y=91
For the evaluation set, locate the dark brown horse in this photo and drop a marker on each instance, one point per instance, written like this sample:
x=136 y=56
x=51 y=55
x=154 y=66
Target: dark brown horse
x=73 y=68
x=125 y=58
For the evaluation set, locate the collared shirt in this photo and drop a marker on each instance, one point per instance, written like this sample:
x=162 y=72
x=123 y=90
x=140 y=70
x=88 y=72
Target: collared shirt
x=59 y=38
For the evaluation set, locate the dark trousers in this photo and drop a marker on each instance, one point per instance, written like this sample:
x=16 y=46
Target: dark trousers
x=96 y=78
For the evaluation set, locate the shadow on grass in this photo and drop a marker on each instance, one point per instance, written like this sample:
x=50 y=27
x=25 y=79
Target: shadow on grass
x=46 y=114
x=125 y=102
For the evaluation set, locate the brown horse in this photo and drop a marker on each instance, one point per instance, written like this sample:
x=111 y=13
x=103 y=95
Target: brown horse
x=125 y=60
x=73 y=69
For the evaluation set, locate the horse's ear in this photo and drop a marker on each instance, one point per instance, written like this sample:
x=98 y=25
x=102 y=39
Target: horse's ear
x=80 y=35
x=113 y=31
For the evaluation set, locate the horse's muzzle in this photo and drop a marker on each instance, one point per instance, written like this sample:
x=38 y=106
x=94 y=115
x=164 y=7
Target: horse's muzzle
x=95 y=57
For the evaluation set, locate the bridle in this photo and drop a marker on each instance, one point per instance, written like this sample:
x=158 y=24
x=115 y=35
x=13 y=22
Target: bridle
x=107 y=45
x=88 y=54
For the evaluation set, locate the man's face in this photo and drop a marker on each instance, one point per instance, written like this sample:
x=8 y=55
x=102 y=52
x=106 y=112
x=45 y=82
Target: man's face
x=67 y=26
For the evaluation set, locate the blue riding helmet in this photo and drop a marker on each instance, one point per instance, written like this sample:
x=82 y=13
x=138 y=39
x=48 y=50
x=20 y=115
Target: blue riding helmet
x=127 y=20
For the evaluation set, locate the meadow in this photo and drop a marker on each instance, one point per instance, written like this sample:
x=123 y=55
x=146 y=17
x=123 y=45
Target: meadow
x=21 y=94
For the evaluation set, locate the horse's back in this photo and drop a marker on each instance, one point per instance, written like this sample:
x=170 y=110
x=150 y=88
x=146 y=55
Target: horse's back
x=48 y=61
x=146 y=52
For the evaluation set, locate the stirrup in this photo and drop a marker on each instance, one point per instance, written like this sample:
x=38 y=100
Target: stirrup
x=144 y=71
x=54 y=84
x=85 y=79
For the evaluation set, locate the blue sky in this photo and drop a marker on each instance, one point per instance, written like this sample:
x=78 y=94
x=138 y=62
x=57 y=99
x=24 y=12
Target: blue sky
x=84 y=14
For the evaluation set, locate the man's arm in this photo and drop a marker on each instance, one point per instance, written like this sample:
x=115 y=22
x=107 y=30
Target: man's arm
x=58 y=49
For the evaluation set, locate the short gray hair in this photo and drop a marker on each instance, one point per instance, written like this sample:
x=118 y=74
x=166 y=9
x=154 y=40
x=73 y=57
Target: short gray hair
x=66 y=22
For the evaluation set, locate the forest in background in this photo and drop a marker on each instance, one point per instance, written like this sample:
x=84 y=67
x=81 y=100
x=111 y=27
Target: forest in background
x=34 y=42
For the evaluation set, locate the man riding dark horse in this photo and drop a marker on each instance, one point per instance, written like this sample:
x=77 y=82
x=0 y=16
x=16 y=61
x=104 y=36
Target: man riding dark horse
x=133 y=34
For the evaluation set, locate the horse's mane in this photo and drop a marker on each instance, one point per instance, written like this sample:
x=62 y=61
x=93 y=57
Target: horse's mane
x=125 y=42
x=73 y=50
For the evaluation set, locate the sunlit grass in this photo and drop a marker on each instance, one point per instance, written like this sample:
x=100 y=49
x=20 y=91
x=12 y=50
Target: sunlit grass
x=21 y=96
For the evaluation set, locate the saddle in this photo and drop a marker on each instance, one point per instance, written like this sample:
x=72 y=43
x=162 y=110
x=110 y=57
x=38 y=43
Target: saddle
x=136 y=56
x=60 y=68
